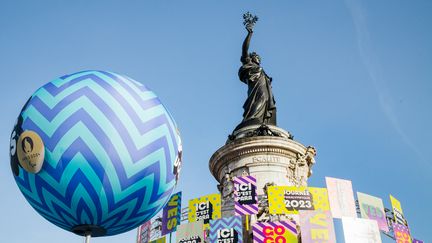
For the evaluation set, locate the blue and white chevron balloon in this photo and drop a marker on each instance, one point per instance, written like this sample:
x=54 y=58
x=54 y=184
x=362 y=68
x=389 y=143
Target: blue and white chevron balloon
x=111 y=153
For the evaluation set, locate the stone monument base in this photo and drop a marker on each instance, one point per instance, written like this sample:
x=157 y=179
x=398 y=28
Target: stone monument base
x=270 y=155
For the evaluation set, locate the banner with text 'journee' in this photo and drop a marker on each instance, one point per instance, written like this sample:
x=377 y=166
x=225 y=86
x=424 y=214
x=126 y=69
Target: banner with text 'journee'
x=291 y=199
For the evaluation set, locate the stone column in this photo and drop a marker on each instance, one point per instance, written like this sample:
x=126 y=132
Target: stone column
x=267 y=152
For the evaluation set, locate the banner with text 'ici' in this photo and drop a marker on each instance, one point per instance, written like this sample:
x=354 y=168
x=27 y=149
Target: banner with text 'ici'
x=205 y=209
x=226 y=230
x=245 y=196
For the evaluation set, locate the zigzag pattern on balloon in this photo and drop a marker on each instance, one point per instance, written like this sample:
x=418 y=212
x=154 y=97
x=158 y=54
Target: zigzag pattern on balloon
x=118 y=125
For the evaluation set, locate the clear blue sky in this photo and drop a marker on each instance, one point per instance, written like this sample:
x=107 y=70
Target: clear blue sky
x=352 y=78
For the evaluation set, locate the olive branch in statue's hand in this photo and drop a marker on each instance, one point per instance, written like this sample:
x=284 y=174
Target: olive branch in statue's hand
x=249 y=21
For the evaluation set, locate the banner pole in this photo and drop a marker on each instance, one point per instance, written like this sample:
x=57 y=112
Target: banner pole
x=170 y=237
x=247 y=222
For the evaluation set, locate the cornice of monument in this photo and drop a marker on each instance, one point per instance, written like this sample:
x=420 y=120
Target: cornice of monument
x=248 y=146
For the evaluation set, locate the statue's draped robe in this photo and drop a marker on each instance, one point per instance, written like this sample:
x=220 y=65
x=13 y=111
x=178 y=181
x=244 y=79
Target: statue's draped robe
x=259 y=107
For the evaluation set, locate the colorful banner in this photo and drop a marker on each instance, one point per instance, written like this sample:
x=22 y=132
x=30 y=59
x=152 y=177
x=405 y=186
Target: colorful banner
x=291 y=199
x=283 y=231
x=190 y=233
x=245 y=196
x=317 y=226
x=171 y=214
x=401 y=233
x=160 y=240
x=341 y=197
x=417 y=241
x=144 y=232
x=360 y=230
x=397 y=211
x=226 y=230
x=205 y=209
x=373 y=208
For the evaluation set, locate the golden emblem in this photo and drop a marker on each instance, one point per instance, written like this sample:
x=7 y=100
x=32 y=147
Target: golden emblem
x=31 y=151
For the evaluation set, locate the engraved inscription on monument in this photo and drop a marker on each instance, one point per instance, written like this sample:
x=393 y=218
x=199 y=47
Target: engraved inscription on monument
x=265 y=159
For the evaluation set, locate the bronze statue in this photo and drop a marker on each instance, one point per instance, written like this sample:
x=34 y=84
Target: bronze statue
x=259 y=107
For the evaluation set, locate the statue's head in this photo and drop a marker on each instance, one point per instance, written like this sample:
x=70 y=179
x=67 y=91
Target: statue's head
x=255 y=57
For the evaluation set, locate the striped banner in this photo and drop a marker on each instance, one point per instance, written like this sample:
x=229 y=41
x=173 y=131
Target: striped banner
x=245 y=196
x=282 y=231
x=226 y=230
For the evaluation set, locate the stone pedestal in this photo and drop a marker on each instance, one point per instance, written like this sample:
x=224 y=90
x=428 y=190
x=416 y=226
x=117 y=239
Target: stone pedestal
x=267 y=152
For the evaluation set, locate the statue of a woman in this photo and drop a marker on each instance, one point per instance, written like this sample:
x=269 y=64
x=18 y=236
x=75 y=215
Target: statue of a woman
x=259 y=107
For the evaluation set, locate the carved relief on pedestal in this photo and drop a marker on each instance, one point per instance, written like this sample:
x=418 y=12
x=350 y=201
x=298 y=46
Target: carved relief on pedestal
x=226 y=188
x=300 y=168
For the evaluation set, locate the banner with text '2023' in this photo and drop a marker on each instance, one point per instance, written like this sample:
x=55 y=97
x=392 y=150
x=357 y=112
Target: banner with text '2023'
x=291 y=199
x=245 y=196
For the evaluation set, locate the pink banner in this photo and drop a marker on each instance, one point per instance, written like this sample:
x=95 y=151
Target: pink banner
x=283 y=231
x=144 y=232
x=341 y=198
x=316 y=226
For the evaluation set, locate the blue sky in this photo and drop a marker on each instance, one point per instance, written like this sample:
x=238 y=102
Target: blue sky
x=352 y=78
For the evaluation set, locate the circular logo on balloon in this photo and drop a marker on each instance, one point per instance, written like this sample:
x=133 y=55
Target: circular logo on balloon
x=31 y=151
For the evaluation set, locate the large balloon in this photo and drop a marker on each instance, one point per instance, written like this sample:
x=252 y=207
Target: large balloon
x=95 y=153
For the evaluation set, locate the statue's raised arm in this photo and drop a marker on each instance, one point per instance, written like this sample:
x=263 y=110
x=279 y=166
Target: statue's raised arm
x=245 y=47
x=249 y=22
x=259 y=107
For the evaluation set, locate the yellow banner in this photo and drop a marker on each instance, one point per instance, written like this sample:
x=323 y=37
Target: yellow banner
x=397 y=210
x=291 y=199
x=160 y=240
x=205 y=208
